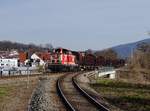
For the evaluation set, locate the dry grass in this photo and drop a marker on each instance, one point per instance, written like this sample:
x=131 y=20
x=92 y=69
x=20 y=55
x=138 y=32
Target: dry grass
x=126 y=96
x=14 y=95
x=135 y=75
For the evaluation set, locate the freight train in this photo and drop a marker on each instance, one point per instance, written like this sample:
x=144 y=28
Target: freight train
x=67 y=60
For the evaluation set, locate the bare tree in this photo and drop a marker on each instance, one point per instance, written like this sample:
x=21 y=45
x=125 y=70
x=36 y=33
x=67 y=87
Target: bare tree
x=49 y=46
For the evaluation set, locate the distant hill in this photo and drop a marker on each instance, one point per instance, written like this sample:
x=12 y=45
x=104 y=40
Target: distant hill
x=126 y=50
x=8 y=45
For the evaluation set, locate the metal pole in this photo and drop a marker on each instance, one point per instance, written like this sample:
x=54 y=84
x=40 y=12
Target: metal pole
x=27 y=76
x=1 y=72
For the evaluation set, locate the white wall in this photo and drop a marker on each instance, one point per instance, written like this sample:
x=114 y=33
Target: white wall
x=35 y=57
x=8 y=62
x=111 y=74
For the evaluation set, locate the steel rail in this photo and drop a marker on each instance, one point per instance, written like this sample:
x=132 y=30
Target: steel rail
x=90 y=98
x=61 y=94
x=68 y=105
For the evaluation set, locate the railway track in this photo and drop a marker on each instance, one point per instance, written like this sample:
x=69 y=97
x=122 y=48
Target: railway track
x=74 y=97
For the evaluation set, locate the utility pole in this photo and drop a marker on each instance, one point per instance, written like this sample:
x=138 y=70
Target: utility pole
x=1 y=71
x=28 y=74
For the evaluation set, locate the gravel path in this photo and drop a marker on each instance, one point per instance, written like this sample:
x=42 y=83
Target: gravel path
x=45 y=97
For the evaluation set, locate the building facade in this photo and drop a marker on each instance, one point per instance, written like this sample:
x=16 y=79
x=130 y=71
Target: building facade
x=9 y=62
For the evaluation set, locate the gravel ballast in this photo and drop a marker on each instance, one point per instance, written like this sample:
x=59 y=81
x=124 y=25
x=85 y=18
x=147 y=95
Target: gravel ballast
x=45 y=96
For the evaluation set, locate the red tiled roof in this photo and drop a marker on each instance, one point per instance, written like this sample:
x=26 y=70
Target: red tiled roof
x=22 y=56
x=44 y=56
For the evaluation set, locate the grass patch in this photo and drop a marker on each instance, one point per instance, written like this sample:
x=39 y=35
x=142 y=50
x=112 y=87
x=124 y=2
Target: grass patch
x=3 y=91
x=126 y=96
x=115 y=83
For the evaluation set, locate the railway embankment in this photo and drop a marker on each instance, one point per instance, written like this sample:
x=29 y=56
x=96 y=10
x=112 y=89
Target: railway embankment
x=126 y=94
x=45 y=96
x=85 y=81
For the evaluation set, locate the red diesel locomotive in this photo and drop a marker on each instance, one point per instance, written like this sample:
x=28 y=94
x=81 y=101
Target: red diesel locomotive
x=62 y=60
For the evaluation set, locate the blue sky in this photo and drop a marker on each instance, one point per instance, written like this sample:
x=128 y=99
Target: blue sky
x=75 y=24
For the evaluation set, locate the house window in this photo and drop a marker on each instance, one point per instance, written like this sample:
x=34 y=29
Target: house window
x=53 y=61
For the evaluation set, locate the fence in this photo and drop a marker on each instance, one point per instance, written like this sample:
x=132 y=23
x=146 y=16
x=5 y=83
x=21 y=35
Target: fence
x=7 y=71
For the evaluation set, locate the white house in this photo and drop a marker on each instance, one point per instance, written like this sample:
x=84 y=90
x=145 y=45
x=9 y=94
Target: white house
x=13 y=53
x=36 y=61
x=8 y=62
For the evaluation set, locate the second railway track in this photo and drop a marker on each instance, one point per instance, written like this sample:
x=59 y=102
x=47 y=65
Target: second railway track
x=74 y=97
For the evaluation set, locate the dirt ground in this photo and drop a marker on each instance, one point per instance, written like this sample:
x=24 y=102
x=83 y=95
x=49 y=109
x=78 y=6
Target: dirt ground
x=14 y=94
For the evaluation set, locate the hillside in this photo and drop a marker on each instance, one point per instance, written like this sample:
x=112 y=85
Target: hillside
x=8 y=45
x=126 y=50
